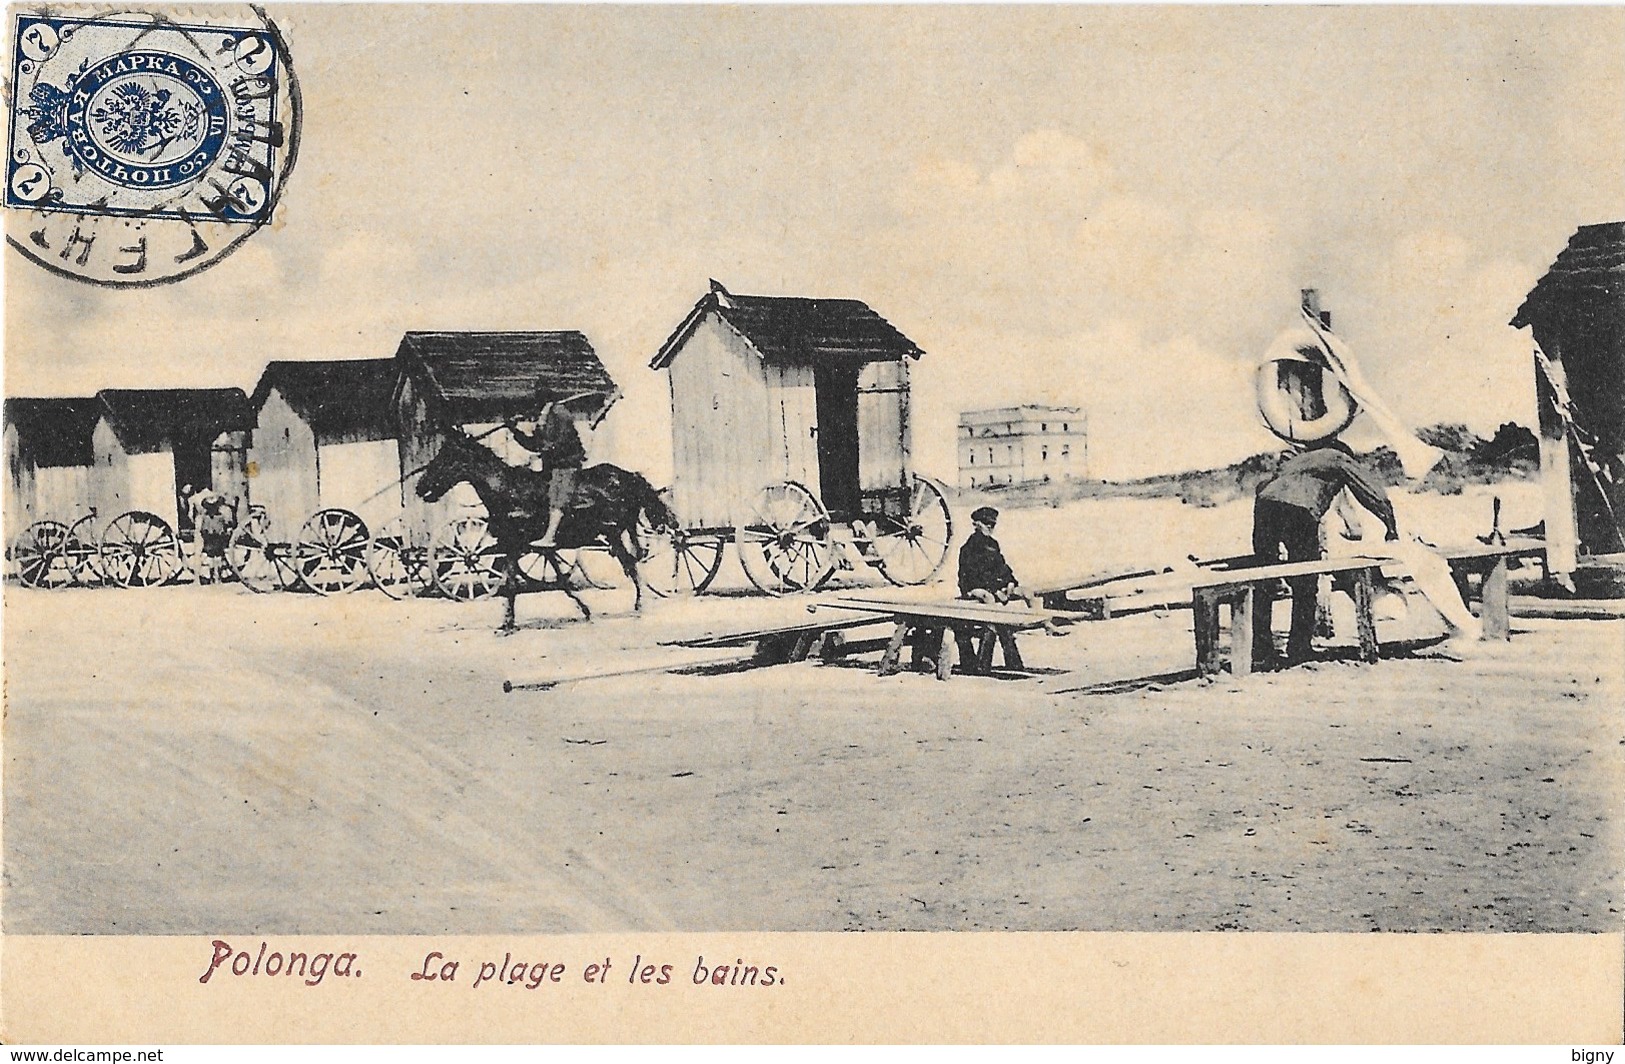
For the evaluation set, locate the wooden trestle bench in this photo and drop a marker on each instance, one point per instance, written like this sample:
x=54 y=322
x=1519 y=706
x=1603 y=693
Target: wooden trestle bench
x=935 y=629
x=1236 y=585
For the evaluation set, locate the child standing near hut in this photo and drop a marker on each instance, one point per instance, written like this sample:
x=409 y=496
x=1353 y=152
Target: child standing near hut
x=213 y=518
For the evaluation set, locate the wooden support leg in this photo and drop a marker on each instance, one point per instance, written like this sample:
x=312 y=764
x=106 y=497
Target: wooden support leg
x=894 y=649
x=1464 y=582
x=984 y=651
x=833 y=646
x=1365 y=620
x=803 y=646
x=1007 y=646
x=946 y=647
x=1205 y=610
x=1497 y=622
x=1241 y=633
x=924 y=641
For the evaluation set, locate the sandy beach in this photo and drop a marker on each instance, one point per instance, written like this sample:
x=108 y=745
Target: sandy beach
x=186 y=759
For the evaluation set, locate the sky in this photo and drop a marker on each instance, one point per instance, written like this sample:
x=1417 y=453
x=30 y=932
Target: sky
x=1113 y=208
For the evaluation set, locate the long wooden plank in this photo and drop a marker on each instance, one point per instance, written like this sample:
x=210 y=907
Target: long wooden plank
x=1176 y=586
x=1512 y=548
x=1094 y=580
x=1568 y=609
x=726 y=639
x=549 y=683
x=975 y=613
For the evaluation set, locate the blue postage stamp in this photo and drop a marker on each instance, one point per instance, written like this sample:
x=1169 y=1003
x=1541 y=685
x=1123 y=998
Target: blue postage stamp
x=146 y=148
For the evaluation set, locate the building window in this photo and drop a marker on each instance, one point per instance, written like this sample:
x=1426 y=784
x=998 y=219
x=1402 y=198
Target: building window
x=990 y=455
x=1065 y=427
x=1066 y=450
x=973 y=458
x=1043 y=454
x=1043 y=426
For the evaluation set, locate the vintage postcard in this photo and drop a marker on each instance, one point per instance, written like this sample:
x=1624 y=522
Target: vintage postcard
x=814 y=523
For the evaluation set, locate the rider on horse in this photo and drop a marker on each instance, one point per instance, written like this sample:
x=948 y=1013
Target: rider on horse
x=554 y=441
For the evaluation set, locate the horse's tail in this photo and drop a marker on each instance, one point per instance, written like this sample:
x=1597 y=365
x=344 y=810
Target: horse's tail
x=652 y=503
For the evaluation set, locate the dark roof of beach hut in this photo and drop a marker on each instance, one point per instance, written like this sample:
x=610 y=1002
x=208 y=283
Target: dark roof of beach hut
x=146 y=420
x=795 y=330
x=1589 y=271
x=54 y=432
x=487 y=376
x=340 y=399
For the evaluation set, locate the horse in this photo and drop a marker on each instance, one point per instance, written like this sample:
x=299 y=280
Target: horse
x=608 y=502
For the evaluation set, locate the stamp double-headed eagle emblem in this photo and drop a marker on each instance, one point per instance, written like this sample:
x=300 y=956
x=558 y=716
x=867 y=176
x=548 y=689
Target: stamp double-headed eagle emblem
x=146 y=147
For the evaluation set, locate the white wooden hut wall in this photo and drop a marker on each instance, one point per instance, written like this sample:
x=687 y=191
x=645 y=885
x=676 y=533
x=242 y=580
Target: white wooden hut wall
x=793 y=402
x=739 y=425
x=721 y=432
x=132 y=481
x=419 y=442
x=38 y=493
x=228 y=466
x=358 y=477
x=883 y=426
x=282 y=467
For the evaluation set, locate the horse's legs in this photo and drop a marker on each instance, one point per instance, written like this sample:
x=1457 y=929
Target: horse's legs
x=630 y=532
x=510 y=592
x=586 y=614
x=629 y=563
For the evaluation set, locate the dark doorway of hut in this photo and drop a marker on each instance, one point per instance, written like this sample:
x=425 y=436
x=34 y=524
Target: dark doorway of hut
x=836 y=388
x=192 y=468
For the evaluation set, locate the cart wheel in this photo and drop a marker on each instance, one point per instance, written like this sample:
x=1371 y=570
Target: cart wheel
x=911 y=549
x=676 y=562
x=784 y=541
x=464 y=560
x=140 y=550
x=398 y=560
x=38 y=552
x=258 y=562
x=331 y=553
x=82 y=552
x=191 y=556
x=552 y=568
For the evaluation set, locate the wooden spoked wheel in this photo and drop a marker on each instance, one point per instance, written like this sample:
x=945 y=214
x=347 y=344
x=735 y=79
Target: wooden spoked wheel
x=553 y=568
x=398 y=559
x=784 y=540
x=677 y=562
x=330 y=555
x=39 y=555
x=912 y=549
x=465 y=562
x=260 y=563
x=140 y=550
x=82 y=553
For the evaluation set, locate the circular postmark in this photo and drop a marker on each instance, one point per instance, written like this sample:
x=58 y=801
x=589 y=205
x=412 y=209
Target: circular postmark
x=146 y=147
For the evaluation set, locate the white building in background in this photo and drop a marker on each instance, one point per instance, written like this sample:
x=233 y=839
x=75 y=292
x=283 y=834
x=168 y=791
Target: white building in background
x=1022 y=445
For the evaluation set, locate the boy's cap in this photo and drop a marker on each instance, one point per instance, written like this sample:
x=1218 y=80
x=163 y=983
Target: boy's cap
x=985 y=514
